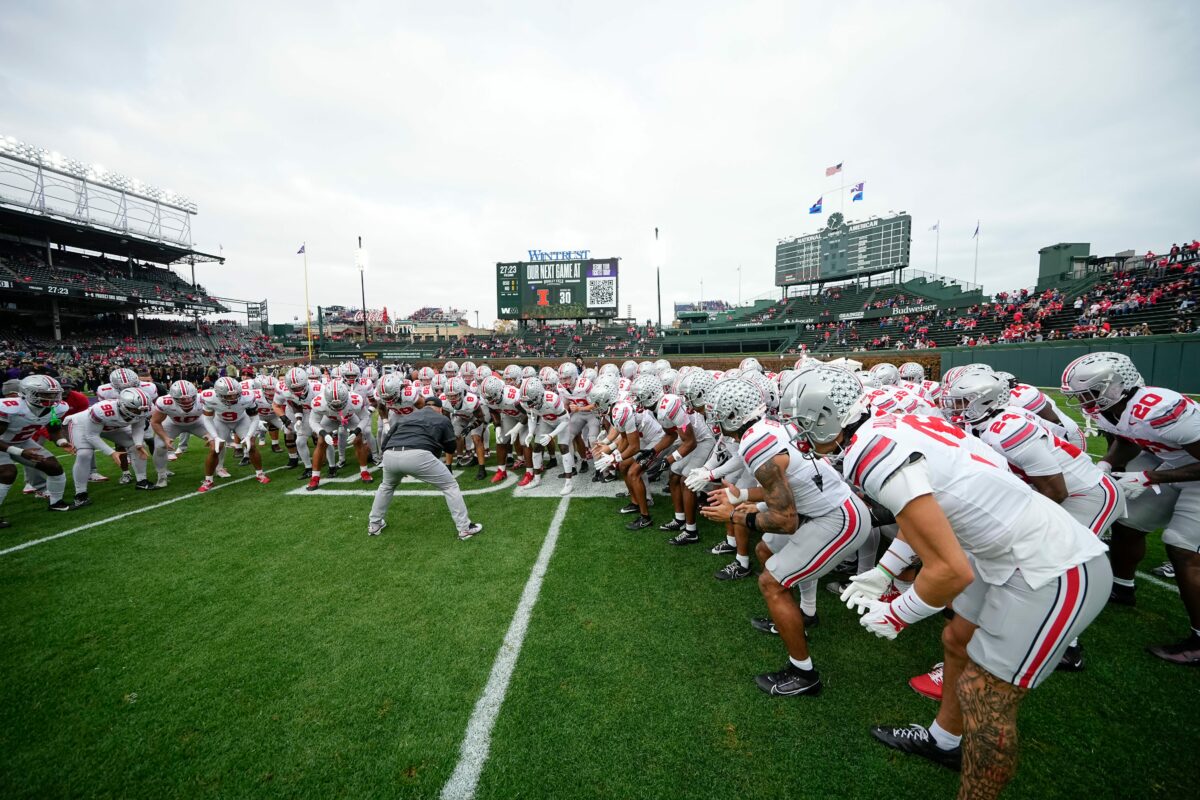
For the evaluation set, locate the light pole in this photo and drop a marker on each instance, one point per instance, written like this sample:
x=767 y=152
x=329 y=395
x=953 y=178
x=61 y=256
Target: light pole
x=476 y=319
x=360 y=258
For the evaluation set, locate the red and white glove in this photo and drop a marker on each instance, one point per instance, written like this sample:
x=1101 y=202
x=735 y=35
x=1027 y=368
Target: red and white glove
x=698 y=479
x=1132 y=483
x=880 y=618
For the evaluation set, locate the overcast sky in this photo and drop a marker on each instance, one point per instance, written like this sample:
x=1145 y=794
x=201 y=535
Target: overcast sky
x=453 y=136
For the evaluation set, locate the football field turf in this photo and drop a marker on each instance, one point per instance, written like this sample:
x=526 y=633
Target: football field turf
x=255 y=642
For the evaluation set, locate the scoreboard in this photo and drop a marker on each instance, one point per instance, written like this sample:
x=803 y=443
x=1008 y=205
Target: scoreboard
x=844 y=249
x=581 y=289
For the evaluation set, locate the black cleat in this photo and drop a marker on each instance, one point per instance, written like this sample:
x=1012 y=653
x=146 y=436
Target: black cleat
x=629 y=508
x=60 y=505
x=583 y=466
x=639 y=523
x=244 y=461
x=685 y=537
x=723 y=548
x=609 y=477
x=305 y=474
x=1123 y=595
x=81 y=500
x=732 y=571
x=1072 y=659
x=145 y=485
x=790 y=681
x=767 y=625
x=673 y=525
x=1185 y=653
x=481 y=473
x=597 y=477
x=332 y=472
x=917 y=740
x=293 y=463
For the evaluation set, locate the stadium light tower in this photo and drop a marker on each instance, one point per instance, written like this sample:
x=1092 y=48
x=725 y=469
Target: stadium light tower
x=360 y=258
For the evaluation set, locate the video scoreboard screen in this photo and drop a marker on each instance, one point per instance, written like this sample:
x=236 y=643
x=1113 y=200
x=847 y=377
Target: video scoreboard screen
x=844 y=249
x=584 y=289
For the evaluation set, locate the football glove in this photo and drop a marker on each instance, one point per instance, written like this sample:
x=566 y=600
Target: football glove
x=880 y=619
x=865 y=587
x=604 y=462
x=698 y=479
x=1132 y=483
x=329 y=440
x=515 y=433
x=644 y=455
x=545 y=439
x=352 y=438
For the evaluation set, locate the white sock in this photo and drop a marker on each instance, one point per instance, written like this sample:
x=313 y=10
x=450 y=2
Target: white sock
x=744 y=561
x=568 y=459
x=56 y=485
x=679 y=516
x=732 y=542
x=1123 y=581
x=690 y=527
x=537 y=461
x=808 y=597
x=806 y=664
x=944 y=739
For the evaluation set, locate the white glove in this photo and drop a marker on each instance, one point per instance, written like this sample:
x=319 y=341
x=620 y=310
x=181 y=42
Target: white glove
x=604 y=462
x=329 y=439
x=383 y=432
x=352 y=438
x=515 y=433
x=737 y=496
x=545 y=439
x=880 y=619
x=1104 y=467
x=867 y=586
x=529 y=439
x=1132 y=483
x=697 y=479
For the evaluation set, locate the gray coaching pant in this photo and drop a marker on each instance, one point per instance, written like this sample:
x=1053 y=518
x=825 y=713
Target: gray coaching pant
x=424 y=466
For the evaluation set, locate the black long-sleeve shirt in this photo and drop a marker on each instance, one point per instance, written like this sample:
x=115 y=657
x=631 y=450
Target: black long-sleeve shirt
x=424 y=429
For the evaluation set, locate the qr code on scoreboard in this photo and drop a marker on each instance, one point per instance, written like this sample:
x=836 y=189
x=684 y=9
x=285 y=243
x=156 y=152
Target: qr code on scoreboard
x=602 y=292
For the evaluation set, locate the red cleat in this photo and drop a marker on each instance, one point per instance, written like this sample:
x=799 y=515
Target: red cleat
x=206 y=486
x=526 y=479
x=930 y=684
x=365 y=476
x=262 y=479
x=313 y=483
x=499 y=476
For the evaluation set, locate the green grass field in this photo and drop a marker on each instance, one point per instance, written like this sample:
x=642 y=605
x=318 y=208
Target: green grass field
x=256 y=643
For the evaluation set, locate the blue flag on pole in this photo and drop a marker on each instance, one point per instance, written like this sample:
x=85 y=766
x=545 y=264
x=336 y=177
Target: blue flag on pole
x=815 y=208
x=301 y=250
x=856 y=192
x=976 y=233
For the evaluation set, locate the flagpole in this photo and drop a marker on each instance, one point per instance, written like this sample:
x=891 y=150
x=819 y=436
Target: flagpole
x=307 y=307
x=975 y=278
x=937 y=246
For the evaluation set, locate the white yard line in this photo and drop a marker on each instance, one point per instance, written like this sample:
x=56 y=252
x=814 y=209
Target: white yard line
x=478 y=738
x=107 y=520
x=1146 y=576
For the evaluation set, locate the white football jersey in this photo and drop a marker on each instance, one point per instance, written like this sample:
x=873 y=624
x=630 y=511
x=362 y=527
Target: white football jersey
x=355 y=407
x=817 y=488
x=107 y=391
x=23 y=422
x=1160 y=421
x=297 y=403
x=510 y=402
x=173 y=411
x=552 y=409
x=627 y=419
x=106 y=416
x=228 y=414
x=895 y=400
x=468 y=406
x=1033 y=449
x=975 y=490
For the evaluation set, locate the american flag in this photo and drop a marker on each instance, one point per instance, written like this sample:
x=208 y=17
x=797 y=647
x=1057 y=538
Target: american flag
x=834 y=170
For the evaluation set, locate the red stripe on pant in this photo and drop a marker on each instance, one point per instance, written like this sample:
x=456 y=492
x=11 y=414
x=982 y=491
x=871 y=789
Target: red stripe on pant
x=1071 y=602
x=1110 y=491
x=838 y=543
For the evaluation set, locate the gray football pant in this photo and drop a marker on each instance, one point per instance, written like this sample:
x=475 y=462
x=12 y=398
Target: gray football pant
x=423 y=466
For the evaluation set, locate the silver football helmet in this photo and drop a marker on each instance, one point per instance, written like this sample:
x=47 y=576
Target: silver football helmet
x=533 y=393
x=439 y=383
x=549 y=378
x=351 y=372
x=647 y=390
x=912 y=372
x=336 y=394
x=296 y=381
x=886 y=374
x=668 y=377
x=750 y=364
x=1099 y=381
x=974 y=395
x=821 y=402
x=134 y=403
x=512 y=374
x=456 y=388
x=568 y=373
x=227 y=390
x=1010 y=380
x=611 y=369
x=493 y=390
x=736 y=404
x=661 y=366
x=184 y=393
x=40 y=392
x=391 y=388
x=450 y=369
x=698 y=389
x=467 y=371
x=603 y=395
x=954 y=372
x=528 y=372
x=122 y=379
x=629 y=369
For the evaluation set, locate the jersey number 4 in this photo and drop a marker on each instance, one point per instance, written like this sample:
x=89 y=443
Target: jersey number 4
x=936 y=428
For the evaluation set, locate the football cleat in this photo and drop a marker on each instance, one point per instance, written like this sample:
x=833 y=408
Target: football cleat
x=629 y=508
x=639 y=523
x=583 y=466
x=518 y=464
x=564 y=475
x=537 y=481
x=1164 y=570
x=767 y=625
x=723 y=548
x=597 y=477
x=313 y=483
x=684 y=537
x=566 y=487
x=525 y=479
x=59 y=505
x=1186 y=653
x=732 y=571
x=28 y=490
x=332 y=472
x=4 y=523
x=305 y=474
x=145 y=485
x=673 y=525
x=264 y=479
x=81 y=500
x=1123 y=595
x=1072 y=659
x=172 y=456
x=161 y=483
x=244 y=461
x=472 y=529
x=222 y=472
x=206 y=486
x=96 y=477
x=481 y=473
x=499 y=476
x=930 y=684
x=917 y=740
x=374 y=528
x=126 y=478
x=293 y=462
x=365 y=476
x=790 y=681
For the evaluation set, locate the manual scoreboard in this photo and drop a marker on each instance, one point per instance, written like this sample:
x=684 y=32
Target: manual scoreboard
x=844 y=249
x=583 y=289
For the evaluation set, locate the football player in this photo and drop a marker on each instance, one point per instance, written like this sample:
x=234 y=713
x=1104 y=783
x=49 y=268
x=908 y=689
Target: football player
x=121 y=421
x=1034 y=580
x=337 y=411
x=809 y=521
x=630 y=442
x=229 y=417
x=293 y=404
x=1154 y=455
x=176 y=413
x=467 y=417
x=548 y=420
x=503 y=401
x=38 y=405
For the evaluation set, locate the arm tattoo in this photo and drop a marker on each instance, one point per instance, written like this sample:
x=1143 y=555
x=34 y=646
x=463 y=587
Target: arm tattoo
x=989 y=710
x=780 y=516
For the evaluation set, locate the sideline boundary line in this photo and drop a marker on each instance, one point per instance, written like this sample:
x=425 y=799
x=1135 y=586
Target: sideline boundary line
x=478 y=739
x=142 y=510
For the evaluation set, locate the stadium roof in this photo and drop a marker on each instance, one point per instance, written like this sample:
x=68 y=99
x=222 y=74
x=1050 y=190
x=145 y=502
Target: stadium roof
x=100 y=240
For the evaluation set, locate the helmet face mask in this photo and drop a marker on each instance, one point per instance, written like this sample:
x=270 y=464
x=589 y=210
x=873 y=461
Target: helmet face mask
x=974 y=395
x=1098 y=381
x=184 y=394
x=336 y=395
x=40 y=392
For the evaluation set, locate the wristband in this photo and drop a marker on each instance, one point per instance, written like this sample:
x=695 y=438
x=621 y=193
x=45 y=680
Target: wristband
x=14 y=451
x=752 y=520
x=910 y=608
x=62 y=443
x=899 y=557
